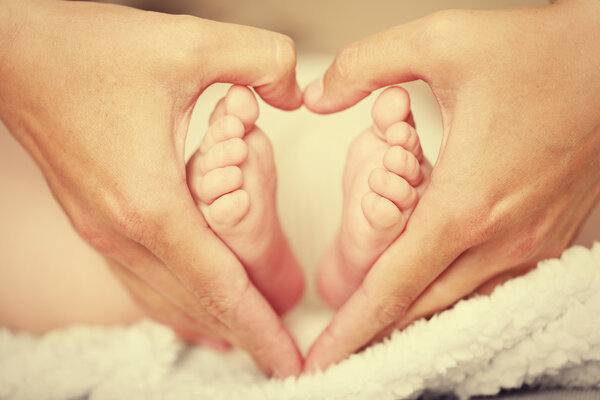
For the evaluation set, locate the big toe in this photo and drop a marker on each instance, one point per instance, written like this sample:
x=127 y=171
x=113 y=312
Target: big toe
x=241 y=102
x=392 y=105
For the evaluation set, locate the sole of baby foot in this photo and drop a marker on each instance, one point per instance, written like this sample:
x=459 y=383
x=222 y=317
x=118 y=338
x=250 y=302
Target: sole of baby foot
x=384 y=174
x=234 y=179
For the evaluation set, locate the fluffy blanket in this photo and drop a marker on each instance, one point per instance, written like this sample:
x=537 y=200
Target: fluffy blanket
x=543 y=328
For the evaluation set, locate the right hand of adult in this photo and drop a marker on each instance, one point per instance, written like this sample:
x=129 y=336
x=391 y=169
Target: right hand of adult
x=101 y=97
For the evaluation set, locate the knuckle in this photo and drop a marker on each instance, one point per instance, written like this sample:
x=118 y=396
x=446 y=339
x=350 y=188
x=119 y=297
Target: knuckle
x=388 y=309
x=391 y=310
x=261 y=350
x=457 y=227
x=440 y=24
x=476 y=221
x=283 y=57
x=286 y=52
x=346 y=61
x=180 y=43
x=525 y=247
x=528 y=244
x=475 y=229
x=184 y=22
x=222 y=300
x=140 y=223
x=217 y=305
x=437 y=38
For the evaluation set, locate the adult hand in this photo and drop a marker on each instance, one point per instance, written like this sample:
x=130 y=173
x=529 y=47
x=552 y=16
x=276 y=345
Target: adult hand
x=519 y=166
x=101 y=97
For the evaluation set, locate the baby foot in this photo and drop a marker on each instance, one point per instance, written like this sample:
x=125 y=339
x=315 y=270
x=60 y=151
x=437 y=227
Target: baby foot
x=233 y=179
x=384 y=174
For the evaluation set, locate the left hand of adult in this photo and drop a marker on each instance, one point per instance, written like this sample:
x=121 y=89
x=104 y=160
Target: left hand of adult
x=519 y=167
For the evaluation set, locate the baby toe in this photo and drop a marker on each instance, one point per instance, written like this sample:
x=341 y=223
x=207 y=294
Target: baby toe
x=218 y=182
x=230 y=208
x=218 y=112
x=403 y=163
x=230 y=152
x=392 y=187
x=392 y=105
x=381 y=213
x=241 y=102
x=403 y=134
x=228 y=127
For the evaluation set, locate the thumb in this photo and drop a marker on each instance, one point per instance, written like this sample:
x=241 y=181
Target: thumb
x=393 y=56
x=208 y=269
x=253 y=57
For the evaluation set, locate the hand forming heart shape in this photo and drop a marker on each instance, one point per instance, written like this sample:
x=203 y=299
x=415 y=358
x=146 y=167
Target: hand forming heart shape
x=513 y=180
x=517 y=173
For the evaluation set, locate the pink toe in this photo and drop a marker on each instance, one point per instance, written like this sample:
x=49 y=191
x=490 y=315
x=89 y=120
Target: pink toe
x=381 y=212
x=402 y=134
x=218 y=182
x=392 y=105
x=193 y=172
x=218 y=112
x=404 y=164
x=241 y=102
x=226 y=128
x=230 y=208
x=231 y=152
x=392 y=187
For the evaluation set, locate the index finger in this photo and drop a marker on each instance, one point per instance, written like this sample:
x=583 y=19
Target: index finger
x=407 y=267
x=207 y=268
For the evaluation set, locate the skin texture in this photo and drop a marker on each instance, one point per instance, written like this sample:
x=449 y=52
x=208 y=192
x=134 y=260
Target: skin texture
x=519 y=166
x=101 y=97
x=384 y=174
x=106 y=120
x=233 y=179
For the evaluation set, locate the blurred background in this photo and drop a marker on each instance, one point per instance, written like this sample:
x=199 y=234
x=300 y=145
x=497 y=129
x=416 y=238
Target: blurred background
x=318 y=25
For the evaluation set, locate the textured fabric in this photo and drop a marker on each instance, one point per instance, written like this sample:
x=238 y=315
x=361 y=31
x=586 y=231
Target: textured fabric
x=478 y=347
x=557 y=394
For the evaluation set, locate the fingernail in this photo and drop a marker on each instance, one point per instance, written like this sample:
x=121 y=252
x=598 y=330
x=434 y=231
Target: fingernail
x=313 y=91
